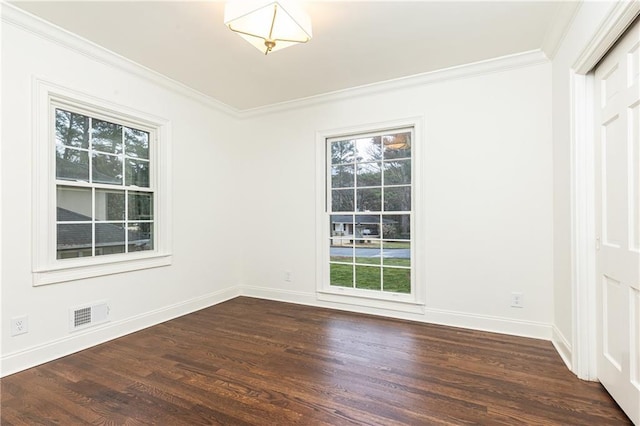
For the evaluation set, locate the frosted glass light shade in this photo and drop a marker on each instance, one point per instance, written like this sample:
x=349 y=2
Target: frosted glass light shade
x=268 y=25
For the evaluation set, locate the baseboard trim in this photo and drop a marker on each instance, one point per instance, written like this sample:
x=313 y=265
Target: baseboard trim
x=510 y=326
x=31 y=357
x=563 y=346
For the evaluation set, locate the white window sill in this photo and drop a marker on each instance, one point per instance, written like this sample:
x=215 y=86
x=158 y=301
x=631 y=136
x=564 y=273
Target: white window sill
x=392 y=302
x=76 y=270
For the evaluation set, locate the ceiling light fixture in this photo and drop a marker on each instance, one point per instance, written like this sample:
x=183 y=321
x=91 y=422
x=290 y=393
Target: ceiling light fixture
x=268 y=25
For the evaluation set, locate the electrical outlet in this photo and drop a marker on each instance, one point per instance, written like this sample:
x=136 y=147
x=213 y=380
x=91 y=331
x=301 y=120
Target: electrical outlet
x=516 y=300
x=288 y=276
x=19 y=325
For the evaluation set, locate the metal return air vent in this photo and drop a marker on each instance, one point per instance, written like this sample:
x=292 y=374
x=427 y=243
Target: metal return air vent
x=88 y=316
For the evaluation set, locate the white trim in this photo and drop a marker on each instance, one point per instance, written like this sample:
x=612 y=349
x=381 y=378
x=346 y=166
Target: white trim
x=17 y=17
x=562 y=345
x=583 y=228
x=371 y=302
x=500 y=64
x=396 y=302
x=39 y=27
x=110 y=267
x=2 y=287
x=49 y=351
x=562 y=20
x=613 y=26
x=479 y=322
x=583 y=282
x=46 y=269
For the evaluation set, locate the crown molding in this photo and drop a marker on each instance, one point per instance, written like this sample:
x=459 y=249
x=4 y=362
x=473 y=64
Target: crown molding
x=503 y=63
x=39 y=27
x=19 y=18
x=557 y=31
x=621 y=16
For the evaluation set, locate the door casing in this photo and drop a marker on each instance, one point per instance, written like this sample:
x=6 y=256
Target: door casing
x=583 y=244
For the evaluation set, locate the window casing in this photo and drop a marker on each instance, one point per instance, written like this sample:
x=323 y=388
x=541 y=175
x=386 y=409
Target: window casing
x=101 y=191
x=367 y=227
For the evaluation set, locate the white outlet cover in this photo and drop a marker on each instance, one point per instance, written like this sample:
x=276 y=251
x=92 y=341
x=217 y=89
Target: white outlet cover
x=19 y=325
x=516 y=300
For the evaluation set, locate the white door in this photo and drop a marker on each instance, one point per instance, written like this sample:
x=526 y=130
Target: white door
x=617 y=136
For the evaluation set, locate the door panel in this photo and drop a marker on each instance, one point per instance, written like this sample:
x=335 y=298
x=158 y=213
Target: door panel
x=617 y=119
x=613 y=339
x=614 y=152
x=635 y=333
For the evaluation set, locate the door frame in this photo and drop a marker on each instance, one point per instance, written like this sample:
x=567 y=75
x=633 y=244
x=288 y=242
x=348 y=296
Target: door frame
x=583 y=226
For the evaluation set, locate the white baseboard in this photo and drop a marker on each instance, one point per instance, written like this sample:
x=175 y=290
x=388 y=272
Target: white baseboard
x=31 y=357
x=563 y=346
x=493 y=324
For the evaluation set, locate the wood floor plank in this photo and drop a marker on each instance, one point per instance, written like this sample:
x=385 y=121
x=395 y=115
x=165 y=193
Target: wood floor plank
x=257 y=362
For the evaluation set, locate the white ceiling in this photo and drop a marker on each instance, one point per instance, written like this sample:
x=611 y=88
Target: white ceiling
x=354 y=42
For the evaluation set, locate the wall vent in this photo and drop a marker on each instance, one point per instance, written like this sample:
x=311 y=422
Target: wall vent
x=88 y=316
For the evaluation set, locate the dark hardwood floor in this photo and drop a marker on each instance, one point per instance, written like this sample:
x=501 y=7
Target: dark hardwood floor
x=251 y=361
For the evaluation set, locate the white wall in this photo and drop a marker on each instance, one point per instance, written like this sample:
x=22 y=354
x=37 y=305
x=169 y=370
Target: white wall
x=488 y=182
x=586 y=22
x=205 y=244
x=244 y=199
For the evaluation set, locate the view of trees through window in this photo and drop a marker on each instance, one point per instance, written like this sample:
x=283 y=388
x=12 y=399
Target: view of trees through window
x=370 y=207
x=104 y=197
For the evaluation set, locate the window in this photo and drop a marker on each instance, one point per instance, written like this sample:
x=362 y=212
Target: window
x=367 y=231
x=104 y=191
x=101 y=188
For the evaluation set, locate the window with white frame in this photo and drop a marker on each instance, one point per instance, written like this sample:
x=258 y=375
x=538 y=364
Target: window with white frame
x=101 y=188
x=104 y=188
x=369 y=213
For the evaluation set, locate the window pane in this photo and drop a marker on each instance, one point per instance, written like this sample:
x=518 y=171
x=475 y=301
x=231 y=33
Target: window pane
x=342 y=200
x=397 y=145
x=341 y=275
x=107 y=168
x=342 y=152
x=73 y=204
x=72 y=164
x=397 y=280
x=397 y=172
x=341 y=225
x=72 y=129
x=396 y=227
x=109 y=204
x=369 y=200
x=368 y=252
x=140 y=206
x=369 y=174
x=109 y=238
x=397 y=198
x=342 y=176
x=136 y=143
x=341 y=250
x=73 y=240
x=368 y=277
x=368 y=226
x=140 y=236
x=137 y=173
x=396 y=253
x=368 y=149
x=106 y=137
